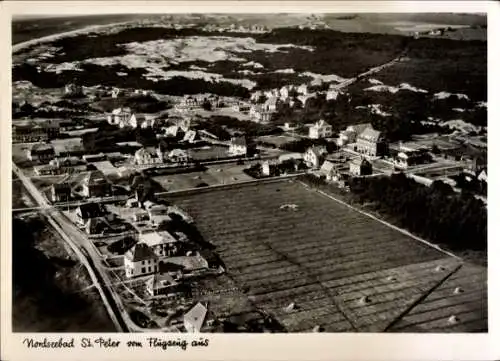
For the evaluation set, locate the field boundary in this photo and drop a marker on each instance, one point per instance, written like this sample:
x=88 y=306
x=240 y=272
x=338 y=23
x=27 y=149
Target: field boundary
x=401 y=230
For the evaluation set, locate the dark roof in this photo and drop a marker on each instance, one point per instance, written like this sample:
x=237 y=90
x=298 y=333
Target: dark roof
x=42 y=148
x=61 y=187
x=140 y=252
x=91 y=210
x=95 y=177
x=239 y=141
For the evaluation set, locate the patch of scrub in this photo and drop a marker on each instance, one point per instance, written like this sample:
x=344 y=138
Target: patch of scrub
x=395 y=89
x=285 y=71
x=444 y=95
x=324 y=78
x=460 y=125
x=58 y=68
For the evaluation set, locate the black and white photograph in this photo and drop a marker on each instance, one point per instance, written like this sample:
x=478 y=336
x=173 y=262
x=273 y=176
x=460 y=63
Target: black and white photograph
x=249 y=173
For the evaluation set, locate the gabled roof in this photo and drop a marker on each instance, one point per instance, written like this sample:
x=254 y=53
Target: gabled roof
x=143 y=152
x=320 y=124
x=94 y=177
x=327 y=166
x=161 y=280
x=140 y=252
x=177 y=153
x=42 y=148
x=196 y=316
x=91 y=210
x=371 y=135
x=360 y=161
x=317 y=150
x=359 y=128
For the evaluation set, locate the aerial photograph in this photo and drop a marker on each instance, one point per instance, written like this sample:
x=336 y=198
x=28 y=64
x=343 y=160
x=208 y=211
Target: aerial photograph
x=250 y=173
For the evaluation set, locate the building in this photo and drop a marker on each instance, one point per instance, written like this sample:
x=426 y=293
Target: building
x=41 y=152
x=185 y=266
x=163 y=244
x=95 y=184
x=161 y=284
x=238 y=146
x=120 y=116
x=360 y=167
x=65 y=161
x=314 y=156
x=144 y=157
x=27 y=132
x=140 y=260
x=483 y=176
x=95 y=226
x=290 y=156
x=240 y=107
x=408 y=158
x=369 y=143
x=303 y=89
x=140 y=215
x=191 y=136
x=330 y=170
x=260 y=113
x=178 y=156
x=266 y=171
x=195 y=318
x=87 y=211
x=73 y=90
x=47 y=169
x=60 y=192
x=320 y=129
x=351 y=133
x=332 y=94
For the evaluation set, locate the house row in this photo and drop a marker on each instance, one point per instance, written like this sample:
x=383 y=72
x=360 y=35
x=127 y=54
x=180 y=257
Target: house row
x=146 y=157
x=124 y=117
x=190 y=102
x=28 y=132
x=41 y=152
x=93 y=185
x=93 y=217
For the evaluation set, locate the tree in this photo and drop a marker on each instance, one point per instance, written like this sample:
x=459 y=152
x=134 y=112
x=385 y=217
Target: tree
x=207 y=105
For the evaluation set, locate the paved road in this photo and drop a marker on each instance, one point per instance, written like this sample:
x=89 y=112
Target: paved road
x=83 y=250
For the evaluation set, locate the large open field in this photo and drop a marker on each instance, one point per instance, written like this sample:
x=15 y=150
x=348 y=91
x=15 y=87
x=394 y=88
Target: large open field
x=325 y=257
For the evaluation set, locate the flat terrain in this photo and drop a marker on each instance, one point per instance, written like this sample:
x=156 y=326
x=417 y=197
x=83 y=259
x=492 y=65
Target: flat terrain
x=325 y=258
x=214 y=175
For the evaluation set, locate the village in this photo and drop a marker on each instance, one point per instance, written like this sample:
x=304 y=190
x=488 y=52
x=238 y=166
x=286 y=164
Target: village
x=218 y=211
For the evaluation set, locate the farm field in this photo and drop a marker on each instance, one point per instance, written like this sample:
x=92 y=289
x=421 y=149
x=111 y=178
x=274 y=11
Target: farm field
x=342 y=270
x=214 y=175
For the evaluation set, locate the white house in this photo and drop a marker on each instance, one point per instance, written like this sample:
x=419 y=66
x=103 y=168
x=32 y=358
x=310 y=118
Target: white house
x=238 y=146
x=320 y=129
x=266 y=169
x=178 y=156
x=195 y=318
x=163 y=244
x=314 y=156
x=483 y=176
x=350 y=134
x=119 y=116
x=145 y=157
x=303 y=89
x=140 y=260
